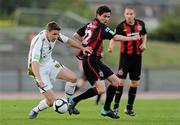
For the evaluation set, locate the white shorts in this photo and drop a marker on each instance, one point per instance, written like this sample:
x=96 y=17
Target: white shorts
x=48 y=74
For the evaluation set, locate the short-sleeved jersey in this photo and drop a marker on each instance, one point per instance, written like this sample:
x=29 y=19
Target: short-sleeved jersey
x=94 y=33
x=41 y=49
x=131 y=47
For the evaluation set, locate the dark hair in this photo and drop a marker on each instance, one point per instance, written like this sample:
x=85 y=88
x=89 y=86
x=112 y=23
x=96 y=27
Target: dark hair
x=52 y=26
x=103 y=9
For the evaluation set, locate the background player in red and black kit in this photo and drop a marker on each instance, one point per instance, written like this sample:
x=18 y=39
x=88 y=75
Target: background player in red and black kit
x=92 y=35
x=131 y=56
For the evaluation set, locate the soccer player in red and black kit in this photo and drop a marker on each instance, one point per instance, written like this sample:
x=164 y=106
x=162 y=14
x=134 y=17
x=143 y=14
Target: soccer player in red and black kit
x=92 y=35
x=131 y=56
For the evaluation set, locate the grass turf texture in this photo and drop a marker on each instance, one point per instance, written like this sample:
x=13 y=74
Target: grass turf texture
x=149 y=112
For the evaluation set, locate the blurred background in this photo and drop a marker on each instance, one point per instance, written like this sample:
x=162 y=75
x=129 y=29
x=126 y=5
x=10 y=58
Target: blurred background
x=20 y=20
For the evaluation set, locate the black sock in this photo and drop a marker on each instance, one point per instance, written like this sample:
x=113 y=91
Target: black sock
x=87 y=94
x=131 y=97
x=109 y=97
x=118 y=95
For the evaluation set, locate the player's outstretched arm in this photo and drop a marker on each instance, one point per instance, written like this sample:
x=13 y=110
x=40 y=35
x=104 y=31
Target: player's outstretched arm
x=74 y=44
x=110 y=46
x=125 y=38
x=78 y=37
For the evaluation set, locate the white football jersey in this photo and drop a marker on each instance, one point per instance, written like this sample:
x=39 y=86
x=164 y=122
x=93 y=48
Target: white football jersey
x=41 y=49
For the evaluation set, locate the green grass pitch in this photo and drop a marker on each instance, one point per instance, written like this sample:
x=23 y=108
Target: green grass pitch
x=149 y=112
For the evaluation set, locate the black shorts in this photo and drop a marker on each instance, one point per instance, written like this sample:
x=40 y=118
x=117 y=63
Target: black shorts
x=94 y=69
x=130 y=64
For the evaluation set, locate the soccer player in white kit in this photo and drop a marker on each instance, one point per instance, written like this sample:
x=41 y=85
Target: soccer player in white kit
x=45 y=70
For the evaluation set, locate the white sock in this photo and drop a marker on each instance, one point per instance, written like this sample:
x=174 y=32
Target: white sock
x=41 y=106
x=69 y=90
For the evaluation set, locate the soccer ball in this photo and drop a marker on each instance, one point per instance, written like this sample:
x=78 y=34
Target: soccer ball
x=60 y=105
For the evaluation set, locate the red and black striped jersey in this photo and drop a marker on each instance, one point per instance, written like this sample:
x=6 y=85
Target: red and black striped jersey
x=131 y=47
x=93 y=35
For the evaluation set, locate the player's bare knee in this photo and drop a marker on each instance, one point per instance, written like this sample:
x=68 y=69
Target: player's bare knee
x=50 y=101
x=115 y=83
x=100 y=90
x=134 y=83
x=114 y=80
x=121 y=82
x=73 y=79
